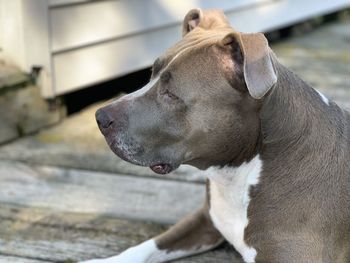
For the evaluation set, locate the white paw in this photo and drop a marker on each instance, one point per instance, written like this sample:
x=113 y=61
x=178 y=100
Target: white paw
x=125 y=257
x=138 y=254
x=93 y=261
x=115 y=259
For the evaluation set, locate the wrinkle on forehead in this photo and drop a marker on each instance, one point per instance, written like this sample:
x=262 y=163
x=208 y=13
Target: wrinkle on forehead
x=196 y=39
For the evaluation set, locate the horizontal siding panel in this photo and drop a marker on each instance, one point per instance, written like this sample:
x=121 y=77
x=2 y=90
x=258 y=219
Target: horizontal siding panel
x=88 y=65
x=282 y=13
x=55 y=3
x=79 y=25
x=79 y=68
x=2 y=22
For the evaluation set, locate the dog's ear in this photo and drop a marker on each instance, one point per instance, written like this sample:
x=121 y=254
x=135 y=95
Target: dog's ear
x=207 y=19
x=191 y=20
x=259 y=72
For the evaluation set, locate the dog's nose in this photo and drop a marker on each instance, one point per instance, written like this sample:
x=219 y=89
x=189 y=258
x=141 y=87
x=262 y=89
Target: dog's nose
x=103 y=119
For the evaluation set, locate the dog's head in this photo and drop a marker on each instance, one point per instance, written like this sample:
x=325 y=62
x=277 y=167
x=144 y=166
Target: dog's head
x=202 y=102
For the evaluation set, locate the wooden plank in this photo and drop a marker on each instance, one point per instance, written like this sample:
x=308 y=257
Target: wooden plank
x=14 y=259
x=89 y=192
x=54 y=236
x=72 y=26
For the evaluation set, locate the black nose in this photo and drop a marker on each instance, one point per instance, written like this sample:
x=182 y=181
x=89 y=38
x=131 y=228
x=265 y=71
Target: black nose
x=103 y=119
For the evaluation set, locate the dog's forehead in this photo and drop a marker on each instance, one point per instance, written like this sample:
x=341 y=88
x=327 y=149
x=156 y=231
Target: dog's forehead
x=197 y=39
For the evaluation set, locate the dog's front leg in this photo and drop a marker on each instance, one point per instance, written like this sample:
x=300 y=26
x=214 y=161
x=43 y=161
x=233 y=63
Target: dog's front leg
x=192 y=235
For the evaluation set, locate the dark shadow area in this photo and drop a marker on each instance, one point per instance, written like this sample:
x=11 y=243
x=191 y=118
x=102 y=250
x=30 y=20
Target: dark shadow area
x=80 y=99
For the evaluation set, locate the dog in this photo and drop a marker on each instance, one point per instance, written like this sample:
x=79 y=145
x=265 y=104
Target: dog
x=276 y=152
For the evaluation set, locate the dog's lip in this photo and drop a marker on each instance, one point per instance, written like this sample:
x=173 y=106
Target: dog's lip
x=122 y=154
x=158 y=167
x=161 y=168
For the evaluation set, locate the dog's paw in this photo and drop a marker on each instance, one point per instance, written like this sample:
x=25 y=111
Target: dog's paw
x=116 y=259
x=127 y=256
x=92 y=261
x=144 y=252
x=105 y=260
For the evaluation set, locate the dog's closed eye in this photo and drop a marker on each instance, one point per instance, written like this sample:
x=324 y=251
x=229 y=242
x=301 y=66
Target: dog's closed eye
x=165 y=77
x=168 y=95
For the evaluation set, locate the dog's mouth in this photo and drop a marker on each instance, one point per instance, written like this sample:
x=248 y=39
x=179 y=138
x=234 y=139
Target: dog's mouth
x=130 y=156
x=162 y=168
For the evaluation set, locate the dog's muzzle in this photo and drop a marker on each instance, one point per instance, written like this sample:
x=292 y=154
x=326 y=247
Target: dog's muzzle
x=113 y=125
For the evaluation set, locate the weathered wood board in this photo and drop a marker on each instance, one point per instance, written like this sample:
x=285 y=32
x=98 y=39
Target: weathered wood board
x=70 y=190
x=50 y=236
x=57 y=236
x=50 y=214
x=14 y=259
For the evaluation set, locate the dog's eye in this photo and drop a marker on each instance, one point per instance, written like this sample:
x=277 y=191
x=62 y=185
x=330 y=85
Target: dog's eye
x=165 y=77
x=168 y=95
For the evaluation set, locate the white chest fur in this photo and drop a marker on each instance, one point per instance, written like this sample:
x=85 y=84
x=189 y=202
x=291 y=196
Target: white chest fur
x=229 y=200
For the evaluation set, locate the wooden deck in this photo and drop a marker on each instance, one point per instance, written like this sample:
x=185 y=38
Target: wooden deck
x=64 y=196
x=50 y=214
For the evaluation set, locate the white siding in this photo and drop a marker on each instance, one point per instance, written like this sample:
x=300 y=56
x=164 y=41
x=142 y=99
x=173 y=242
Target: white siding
x=26 y=38
x=282 y=13
x=66 y=2
x=92 y=64
x=85 y=24
x=1 y=27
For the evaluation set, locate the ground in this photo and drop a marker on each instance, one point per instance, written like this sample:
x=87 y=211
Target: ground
x=64 y=196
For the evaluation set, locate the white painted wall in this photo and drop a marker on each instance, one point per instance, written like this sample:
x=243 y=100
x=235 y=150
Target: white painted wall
x=25 y=38
x=1 y=29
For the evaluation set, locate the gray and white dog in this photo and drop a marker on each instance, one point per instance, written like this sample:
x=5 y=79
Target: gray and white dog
x=275 y=151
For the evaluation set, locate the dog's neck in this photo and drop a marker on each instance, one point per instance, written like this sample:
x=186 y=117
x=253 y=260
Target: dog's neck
x=296 y=118
x=289 y=111
x=289 y=115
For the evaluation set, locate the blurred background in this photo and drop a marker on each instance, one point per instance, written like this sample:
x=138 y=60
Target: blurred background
x=64 y=196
